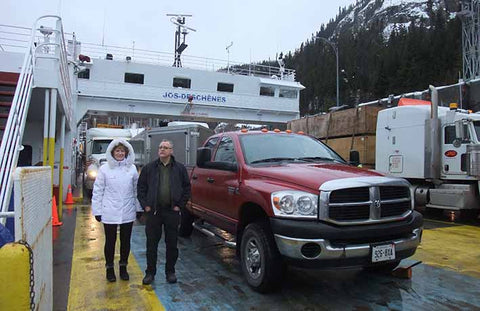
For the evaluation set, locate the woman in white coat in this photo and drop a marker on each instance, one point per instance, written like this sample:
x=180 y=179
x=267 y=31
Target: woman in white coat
x=114 y=202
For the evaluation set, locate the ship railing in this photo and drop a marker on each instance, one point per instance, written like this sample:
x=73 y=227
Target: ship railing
x=56 y=50
x=117 y=53
x=13 y=38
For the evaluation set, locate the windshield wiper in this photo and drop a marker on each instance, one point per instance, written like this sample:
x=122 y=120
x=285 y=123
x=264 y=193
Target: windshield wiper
x=272 y=160
x=313 y=159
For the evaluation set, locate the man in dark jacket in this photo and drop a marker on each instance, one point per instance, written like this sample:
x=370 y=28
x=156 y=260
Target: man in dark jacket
x=163 y=190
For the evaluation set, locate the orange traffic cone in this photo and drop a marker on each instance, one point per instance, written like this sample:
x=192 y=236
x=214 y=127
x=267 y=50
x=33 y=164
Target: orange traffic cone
x=69 y=199
x=55 y=221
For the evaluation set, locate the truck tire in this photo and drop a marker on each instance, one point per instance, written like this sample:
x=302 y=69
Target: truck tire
x=186 y=224
x=261 y=262
x=89 y=193
x=383 y=268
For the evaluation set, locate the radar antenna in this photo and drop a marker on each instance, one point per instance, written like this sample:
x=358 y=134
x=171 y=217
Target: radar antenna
x=182 y=29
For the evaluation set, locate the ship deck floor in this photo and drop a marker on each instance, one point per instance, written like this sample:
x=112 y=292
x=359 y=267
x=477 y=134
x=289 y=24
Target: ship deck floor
x=209 y=275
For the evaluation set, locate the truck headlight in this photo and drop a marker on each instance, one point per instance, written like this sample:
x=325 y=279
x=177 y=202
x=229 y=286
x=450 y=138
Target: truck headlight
x=92 y=174
x=92 y=171
x=296 y=204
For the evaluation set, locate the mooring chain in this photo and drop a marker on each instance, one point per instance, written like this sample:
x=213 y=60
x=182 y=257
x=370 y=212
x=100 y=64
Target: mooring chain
x=32 y=279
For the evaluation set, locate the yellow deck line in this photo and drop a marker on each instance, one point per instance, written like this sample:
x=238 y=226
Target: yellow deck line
x=455 y=248
x=89 y=290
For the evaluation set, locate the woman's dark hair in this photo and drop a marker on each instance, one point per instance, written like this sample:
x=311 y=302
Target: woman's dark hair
x=124 y=148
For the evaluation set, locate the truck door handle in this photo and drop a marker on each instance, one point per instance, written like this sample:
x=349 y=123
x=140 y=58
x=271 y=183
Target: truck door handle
x=210 y=180
x=194 y=177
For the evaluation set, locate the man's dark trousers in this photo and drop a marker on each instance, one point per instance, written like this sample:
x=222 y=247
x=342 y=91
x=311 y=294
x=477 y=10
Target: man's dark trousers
x=169 y=220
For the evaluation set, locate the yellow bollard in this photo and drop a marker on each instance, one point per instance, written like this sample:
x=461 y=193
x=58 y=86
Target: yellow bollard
x=14 y=277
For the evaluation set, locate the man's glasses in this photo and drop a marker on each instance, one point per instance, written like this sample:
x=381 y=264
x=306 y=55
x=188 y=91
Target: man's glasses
x=163 y=147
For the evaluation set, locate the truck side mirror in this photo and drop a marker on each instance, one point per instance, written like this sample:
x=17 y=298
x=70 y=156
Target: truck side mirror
x=203 y=156
x=354 y=158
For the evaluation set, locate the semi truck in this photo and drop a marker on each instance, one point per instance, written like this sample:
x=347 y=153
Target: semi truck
x=97 y=141
x=288 y=199
x=436 y=148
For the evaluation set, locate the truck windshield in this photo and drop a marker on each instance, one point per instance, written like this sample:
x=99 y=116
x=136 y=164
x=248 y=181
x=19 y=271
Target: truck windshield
x=476 y=126
x=285 y=147
x=100 y=146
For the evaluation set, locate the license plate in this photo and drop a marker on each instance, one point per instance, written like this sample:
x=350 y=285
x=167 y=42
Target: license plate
x=383 y=252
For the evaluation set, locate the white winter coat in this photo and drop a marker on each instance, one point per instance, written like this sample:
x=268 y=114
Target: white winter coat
x=114 y=194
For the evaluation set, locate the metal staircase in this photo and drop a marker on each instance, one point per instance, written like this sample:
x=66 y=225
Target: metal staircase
x=15 y=94
x=8 y=83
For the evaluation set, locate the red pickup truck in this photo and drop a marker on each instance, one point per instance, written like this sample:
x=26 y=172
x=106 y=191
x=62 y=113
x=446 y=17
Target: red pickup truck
x=290 y=199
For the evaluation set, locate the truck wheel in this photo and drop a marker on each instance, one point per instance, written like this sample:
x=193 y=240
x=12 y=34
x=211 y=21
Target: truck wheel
x=88 y=193
x=186 y=224
x=383 y=268
x=261 y=262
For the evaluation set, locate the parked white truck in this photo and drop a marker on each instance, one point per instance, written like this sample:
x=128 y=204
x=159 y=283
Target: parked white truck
x=98 y=140
x=436 y=148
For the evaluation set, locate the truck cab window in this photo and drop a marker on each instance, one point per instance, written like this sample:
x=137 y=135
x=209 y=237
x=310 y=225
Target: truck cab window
x=211 y=143
x=225 y=151
x=450 y=134
x=100 y=146
x=476 y=126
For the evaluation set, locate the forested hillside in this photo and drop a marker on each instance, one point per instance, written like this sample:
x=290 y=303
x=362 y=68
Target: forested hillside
x=374 y=63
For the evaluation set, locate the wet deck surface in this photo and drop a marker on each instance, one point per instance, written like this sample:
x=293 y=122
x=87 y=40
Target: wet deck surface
x=209 y=276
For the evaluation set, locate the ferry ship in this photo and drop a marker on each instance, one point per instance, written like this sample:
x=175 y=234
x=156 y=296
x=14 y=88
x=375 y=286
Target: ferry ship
x=53 y=86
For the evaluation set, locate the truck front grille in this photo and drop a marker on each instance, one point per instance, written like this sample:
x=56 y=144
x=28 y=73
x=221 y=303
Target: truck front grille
x=367 y=204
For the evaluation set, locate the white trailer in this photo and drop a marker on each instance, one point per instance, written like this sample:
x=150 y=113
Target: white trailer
x=436 y=148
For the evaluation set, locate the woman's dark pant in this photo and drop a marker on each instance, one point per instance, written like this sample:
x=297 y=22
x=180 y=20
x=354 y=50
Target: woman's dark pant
x=111 y=239
x=169 y=220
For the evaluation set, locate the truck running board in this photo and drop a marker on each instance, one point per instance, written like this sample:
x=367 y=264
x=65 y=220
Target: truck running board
x=210 y=233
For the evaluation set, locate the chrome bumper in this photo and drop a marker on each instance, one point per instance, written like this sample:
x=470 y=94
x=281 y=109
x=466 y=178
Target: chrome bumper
x=291 y=247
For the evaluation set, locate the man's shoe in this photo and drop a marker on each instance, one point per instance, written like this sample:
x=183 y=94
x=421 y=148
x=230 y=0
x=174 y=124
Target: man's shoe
x=111 y=275
x=123 y=273
x=148 y=279
x=171 y=278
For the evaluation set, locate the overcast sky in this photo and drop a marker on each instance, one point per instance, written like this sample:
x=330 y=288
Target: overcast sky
x=258 y=28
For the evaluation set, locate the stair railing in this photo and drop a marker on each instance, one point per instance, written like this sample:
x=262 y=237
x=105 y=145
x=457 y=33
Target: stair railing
x=15 y=126
x=9 y=148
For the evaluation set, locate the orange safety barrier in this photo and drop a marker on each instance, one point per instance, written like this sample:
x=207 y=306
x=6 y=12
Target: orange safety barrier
x=55 y=221
x=69 y=199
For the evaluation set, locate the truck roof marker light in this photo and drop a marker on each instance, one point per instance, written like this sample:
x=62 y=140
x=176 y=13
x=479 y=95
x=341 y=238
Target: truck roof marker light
x=453 y=106
x=276 y=130
x=301 y=132
x=288 y=131
x=450 y=153
x=244 y=130
x=264 y=130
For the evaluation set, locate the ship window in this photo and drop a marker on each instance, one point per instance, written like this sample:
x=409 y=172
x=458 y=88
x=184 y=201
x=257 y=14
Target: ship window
x=133 y=78
x=84 y=74
x=225 y=87
x=267 y=91
x=288 y=93
x=182 y=82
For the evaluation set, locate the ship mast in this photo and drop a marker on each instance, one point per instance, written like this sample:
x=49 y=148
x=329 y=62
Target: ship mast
x=182 y=30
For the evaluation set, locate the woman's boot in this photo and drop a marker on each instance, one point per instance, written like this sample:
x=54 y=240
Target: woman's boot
x=111 y=275
x=123 y=273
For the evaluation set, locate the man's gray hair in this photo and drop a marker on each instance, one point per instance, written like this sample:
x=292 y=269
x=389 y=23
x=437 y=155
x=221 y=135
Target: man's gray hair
x=166 y=141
